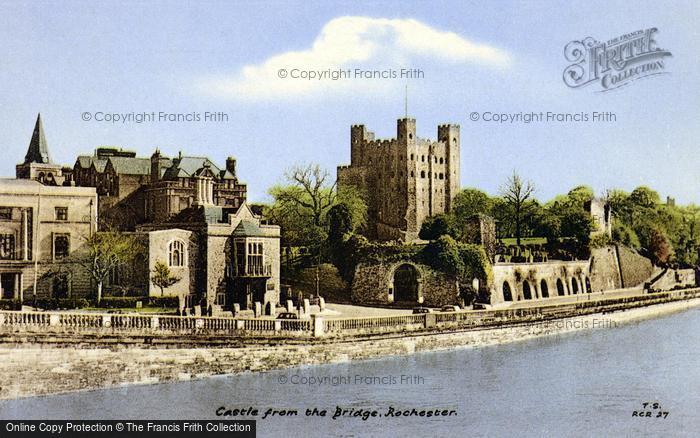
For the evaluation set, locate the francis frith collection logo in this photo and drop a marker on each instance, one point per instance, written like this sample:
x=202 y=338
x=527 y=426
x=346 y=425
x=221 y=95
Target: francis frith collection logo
x=616 y=62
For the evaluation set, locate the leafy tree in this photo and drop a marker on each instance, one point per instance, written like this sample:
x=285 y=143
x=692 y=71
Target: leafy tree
x=443 y=254
x=660 y=248
x=106 y=251
x=435 y=226
x=644 y=197
x=516 y=193
x=162 y=277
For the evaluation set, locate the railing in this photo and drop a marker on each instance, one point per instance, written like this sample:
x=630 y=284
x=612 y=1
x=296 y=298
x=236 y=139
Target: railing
x=319 y=326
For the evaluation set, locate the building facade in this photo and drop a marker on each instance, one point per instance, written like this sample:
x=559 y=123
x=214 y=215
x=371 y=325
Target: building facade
x=226 y=256
x=404 y=179
x=42 y=229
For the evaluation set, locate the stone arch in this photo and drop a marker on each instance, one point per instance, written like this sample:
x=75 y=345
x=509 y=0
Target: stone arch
x=527 y=291
x=560 y=288
x=544 y=290
x=405 y=281
x=574 y=286
x=507 y=293
x=588 y=285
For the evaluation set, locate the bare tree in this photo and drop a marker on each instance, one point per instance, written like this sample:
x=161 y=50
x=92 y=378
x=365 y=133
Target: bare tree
x=106 y=251
x=309 y=190
x=517 y=192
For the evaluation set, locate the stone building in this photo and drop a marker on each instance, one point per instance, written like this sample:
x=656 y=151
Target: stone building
x=172 y=186
x=602 y=215
x=405 y=179
x=136 y=190
x=225 y=254
x=42 y=228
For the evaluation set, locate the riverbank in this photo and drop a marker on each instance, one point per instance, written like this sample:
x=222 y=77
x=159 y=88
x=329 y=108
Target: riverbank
x=33 y=369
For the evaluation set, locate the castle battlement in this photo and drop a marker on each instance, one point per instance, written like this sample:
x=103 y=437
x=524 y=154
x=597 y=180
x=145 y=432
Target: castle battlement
x=407 y=178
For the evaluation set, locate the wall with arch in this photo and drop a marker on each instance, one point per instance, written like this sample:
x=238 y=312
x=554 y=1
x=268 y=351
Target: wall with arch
x=374 y=284
x=539 y=281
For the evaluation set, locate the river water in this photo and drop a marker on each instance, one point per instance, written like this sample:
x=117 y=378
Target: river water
x=586 y=383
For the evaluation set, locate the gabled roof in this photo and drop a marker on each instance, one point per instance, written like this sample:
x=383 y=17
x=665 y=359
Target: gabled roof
x=38 y=151
x=187 y=166
x=131 y=165
x=248 y=228
x=99 y=164
x=84 y=161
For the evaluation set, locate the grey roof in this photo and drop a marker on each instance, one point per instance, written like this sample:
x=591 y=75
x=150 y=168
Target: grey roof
x=84 y=161
x=248 y=228
x=100 y=164
x=38 y=151
x=131 y=165
x=187 y=166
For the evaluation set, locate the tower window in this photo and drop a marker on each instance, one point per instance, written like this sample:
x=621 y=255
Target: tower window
x=61 y=213
x=422 y=173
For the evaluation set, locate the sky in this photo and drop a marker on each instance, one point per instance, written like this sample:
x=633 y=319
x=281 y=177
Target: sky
x=68 y=59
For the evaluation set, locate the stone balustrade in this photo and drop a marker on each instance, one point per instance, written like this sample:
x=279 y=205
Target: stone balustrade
x=318 y=326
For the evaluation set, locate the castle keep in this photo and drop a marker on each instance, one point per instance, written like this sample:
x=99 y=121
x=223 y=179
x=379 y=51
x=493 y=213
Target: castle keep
x=404 y=179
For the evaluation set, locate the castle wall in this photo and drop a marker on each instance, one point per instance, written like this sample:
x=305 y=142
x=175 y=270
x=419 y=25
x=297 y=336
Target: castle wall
x=572 y=276
x=373 y=283
x=406 y=179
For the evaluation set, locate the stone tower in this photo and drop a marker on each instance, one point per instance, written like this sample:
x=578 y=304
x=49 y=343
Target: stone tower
x=37 y=163
x=404 y=179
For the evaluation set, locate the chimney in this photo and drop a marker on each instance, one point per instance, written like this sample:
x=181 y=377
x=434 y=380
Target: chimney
x=231 y=165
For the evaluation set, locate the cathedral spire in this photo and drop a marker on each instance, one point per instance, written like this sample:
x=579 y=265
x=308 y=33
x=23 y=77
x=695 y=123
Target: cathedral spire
x=38 y=151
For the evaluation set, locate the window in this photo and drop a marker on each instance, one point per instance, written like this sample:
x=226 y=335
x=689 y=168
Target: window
x=7 y=246
x=255 y=257
x=61 y=213
x=176 y=253
x=6 y=213
x=61 y=246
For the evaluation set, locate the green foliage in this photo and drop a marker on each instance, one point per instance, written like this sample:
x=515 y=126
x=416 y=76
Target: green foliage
x=301 y=208
x=104 y=252
x=443 y=255
x=469 y=202
x=624 y=234
x=162 y=278
x=436 y=226
x=58 y=303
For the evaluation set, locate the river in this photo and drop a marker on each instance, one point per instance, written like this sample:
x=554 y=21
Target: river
x=586 y=383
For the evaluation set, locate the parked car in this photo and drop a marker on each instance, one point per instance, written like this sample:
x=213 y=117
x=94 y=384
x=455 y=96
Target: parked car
x=287 y=315
x=419 y=310
x=449 y=309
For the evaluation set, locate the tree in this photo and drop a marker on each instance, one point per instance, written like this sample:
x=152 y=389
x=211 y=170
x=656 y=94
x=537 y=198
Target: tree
x=660 y=248
x=516 y=193
x=434 y=227
x=106 y=251
x=162 y=277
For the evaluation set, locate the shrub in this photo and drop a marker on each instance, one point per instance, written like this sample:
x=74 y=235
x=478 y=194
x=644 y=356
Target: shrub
x=120 y=302
x=6 y=304
x=171 y=302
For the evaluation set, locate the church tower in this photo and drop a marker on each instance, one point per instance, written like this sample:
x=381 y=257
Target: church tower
x=37 y=163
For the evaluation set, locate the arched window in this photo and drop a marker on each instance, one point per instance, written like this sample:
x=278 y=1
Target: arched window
x=422 y=173
x=176 y=253
x=574 y=286
x=526 y=291
x=544 y=289
x=507 y=295
x=560 y=288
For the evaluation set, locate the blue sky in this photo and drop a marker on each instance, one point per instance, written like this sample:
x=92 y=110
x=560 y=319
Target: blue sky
x=63 y=59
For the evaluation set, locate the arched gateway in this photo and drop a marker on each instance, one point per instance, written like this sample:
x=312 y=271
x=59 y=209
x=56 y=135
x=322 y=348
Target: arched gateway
x=406 y=279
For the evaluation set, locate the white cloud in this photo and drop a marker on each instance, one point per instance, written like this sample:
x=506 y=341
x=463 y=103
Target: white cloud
x=350 y=43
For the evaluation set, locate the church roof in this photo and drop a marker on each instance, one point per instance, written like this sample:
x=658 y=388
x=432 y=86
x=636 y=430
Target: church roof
x=38 y=151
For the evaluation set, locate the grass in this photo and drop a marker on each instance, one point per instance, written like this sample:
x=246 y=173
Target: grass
x=145 y=310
